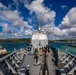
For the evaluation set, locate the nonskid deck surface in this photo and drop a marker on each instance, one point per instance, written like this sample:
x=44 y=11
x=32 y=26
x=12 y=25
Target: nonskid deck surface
x=51 y=65
x=29 y=62
x=21 y=63
x=36 y=69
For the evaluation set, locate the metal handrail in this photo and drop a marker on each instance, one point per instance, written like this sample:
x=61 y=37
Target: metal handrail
x=69 y=53
x=3 y=58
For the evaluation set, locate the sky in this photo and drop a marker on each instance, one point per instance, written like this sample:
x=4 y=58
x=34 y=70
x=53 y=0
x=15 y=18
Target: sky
x=19 y=18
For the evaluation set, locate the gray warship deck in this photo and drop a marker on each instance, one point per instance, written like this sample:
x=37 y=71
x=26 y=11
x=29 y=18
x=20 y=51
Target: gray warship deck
x=33 y=69
x=21 y=63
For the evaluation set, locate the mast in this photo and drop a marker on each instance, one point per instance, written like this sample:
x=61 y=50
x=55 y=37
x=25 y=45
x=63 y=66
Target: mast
x=38 y=28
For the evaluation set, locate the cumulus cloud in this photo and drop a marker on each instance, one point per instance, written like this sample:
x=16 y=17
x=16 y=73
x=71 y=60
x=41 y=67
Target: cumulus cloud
x=28 y=32
x=69 y=23
x=14 y=22
x=7 y=29
x=16 y=2
x=54 y=33
x=17 y=27
x=15 y=18
x=64 y=7
x=72 y=32
x=69 y=20
x=65 y=23
x=2 y=6
x=1 y=35
x=67 y=28
x=2 y=18
x=43 y=14
x=47 y=16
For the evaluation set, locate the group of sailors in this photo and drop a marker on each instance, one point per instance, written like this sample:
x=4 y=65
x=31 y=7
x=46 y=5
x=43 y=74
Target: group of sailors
x=46 y=49
x=42 y=50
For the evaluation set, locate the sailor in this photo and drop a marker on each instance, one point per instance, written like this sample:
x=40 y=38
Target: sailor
x=55 y=55
x=47 y=48
x=36 y=55
x=32 y=49
x=43 y=49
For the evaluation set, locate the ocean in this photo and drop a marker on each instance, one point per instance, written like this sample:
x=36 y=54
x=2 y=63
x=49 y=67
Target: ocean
x=10 y=46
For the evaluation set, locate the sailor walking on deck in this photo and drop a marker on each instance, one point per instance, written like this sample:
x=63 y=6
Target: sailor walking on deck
x=55 y=55
x=36 y=56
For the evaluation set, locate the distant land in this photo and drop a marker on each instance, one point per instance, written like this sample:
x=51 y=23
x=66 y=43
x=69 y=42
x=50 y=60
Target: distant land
x=29 y=40
x=70 y=40
x=16 y=40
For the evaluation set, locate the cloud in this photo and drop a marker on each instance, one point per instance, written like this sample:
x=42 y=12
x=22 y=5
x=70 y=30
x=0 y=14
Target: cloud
x=13 y=23
x=28 y=32
x=69 y=20
x=65 y=23
x=21 y=32
x=72 y=32
x=43 y=14
x=54 y=33
x=64 y=7
x=2 y=18
x=2 y=6
x=69 y=23
x=15 y=18
x=7 y=29
x=67 y=28
x=47 y=16
x=1 y=35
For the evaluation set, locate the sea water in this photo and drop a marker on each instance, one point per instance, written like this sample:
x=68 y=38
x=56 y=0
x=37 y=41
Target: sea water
x=10 y=46
x=64 y=46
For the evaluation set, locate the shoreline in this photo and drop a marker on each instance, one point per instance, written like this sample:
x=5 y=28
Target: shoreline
x=72 y=45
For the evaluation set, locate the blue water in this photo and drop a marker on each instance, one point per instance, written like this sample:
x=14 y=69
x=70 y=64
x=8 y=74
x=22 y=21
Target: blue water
x=62 y=46
x=10 y=46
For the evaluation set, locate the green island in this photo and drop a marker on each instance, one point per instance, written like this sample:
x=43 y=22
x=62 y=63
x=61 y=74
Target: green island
x=29 y=39
x=16 y=40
